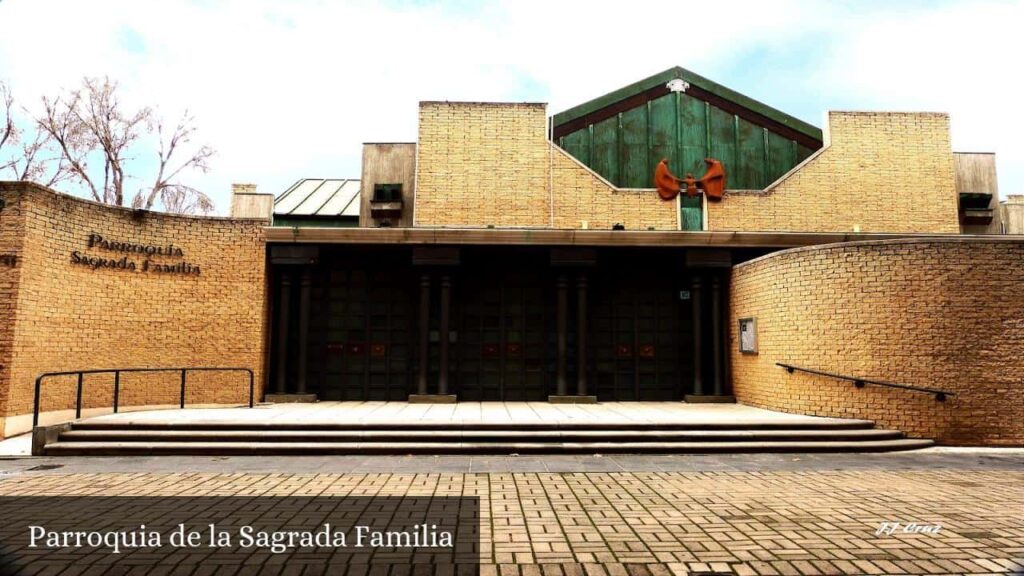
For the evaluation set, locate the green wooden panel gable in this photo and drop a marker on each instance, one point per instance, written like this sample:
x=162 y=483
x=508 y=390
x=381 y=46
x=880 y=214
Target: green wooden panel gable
x=624 y=134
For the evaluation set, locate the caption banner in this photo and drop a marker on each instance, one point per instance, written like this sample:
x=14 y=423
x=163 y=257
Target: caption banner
x=318 y=535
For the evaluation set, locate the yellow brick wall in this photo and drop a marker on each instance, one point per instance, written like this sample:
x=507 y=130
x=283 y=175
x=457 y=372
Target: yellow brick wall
x=71 y=317
x=878 y=172
x=482 y=164
x=491 y=164
x=942 y=313
x=11 y=224
x=582 y=195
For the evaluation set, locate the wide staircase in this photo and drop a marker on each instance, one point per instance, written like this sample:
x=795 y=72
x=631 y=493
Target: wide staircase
x=99 y=438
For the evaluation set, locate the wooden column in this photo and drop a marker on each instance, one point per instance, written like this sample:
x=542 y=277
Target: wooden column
x=284 y=297
x=445 y=330
x=581 y=335
x=716 y=333
x=695 y=297
x=304 y=305
x=424 y=344
x=563 y=334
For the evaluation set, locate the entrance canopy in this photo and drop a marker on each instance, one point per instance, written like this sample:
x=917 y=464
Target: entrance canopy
x=548 y=237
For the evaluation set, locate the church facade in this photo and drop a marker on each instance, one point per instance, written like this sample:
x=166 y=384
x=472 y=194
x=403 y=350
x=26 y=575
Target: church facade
x=851 y=270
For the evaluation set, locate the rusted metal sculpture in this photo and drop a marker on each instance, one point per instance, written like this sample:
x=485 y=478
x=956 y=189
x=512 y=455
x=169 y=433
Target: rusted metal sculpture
x=712 y=183
x=665 y=181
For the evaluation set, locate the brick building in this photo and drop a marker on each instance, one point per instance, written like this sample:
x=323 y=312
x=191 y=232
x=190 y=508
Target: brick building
x=511 y=255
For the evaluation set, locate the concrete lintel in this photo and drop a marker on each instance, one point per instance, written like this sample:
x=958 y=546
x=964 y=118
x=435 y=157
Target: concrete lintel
x=557 y=237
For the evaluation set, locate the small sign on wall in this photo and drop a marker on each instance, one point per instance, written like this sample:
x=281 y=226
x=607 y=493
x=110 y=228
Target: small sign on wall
x=748 y=335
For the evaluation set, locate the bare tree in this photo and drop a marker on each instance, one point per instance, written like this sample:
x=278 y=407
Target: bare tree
x=8 y=132
x=90 y=137
x=31 y=158
x=174 y=196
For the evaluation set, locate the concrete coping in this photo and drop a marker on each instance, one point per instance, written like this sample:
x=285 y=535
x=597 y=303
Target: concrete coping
x=19 y=186
x=952 y=239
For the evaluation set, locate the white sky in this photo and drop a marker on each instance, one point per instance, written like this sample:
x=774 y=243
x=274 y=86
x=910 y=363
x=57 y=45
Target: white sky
x=286 y=90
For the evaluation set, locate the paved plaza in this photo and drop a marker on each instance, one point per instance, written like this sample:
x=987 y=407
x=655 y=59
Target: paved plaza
x=468 y=413
x=939 y=510
x=725 y=514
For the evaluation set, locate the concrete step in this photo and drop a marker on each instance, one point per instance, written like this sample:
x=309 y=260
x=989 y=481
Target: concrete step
x=427 y=437
x=476 y=436
x=76 y=448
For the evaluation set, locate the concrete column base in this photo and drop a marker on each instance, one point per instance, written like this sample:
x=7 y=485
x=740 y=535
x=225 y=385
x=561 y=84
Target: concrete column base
x=433 y=398
x=572 y=399
x=709 y=399
x=289 y=398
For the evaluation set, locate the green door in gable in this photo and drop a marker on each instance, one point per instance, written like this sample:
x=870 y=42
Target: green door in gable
x=691 y=212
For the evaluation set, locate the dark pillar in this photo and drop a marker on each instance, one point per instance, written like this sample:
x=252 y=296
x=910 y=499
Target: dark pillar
x=304 y=296
x=421 y=378
x=581 y=335
x=284 y=296
x=726 y=345
x=445 y=336
x=695 y=297
x=716 y=333
x=563 y=334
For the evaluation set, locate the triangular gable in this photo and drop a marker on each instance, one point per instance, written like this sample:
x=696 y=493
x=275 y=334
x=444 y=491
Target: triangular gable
x=622 y=135
x=701 y=88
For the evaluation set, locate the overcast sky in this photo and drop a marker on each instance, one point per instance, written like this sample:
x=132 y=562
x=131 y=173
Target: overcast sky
x=287 y=90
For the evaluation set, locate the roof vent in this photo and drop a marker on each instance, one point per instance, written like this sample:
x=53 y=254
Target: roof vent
x=386 y=201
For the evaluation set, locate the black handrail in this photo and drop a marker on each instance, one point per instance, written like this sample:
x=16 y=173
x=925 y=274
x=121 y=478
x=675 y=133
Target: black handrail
x=117 y=384
x=940 y=395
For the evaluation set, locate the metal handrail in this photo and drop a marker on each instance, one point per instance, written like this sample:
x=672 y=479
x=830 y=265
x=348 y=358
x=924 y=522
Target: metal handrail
x=940 y=395
x=117 y=384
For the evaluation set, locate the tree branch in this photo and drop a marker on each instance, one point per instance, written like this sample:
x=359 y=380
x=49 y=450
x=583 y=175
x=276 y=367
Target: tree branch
x=177 y=197
x=9 y=132
x=59 y=121
x=83 y=128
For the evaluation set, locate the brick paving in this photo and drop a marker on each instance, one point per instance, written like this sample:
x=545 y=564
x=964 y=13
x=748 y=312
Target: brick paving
x=729 y=522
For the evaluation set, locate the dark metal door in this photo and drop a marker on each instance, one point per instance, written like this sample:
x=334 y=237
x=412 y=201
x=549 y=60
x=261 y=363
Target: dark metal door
x=369 y=336
x=637 y=338
x=503 y=338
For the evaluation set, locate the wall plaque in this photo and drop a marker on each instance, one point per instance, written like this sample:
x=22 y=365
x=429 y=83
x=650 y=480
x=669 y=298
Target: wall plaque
x=748 y=335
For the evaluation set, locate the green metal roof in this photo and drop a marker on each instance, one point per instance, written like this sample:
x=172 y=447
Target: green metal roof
x=695 y=80
x=319 y=197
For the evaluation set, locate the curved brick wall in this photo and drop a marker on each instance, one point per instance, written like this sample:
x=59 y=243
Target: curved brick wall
x=942 y=313
x=195 y=297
